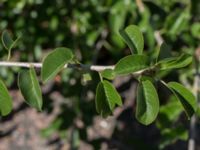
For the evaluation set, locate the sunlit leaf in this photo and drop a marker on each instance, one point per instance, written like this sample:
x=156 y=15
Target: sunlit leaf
x=30 y=88
x=147 y=107
x=133 y=38
x=54 y=63
x=5 y=100
x=130 y=64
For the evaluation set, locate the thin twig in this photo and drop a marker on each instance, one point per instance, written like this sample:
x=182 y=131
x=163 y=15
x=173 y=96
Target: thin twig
x=191 y=142
x=39 y=65
x=158 y=37
x=75 y=66
x=140 y=5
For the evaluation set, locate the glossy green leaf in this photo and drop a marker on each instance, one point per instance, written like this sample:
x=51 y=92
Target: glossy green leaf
x=54 y=63
x=5 y=100
x=175 y=63
x=30 y=88
x=108 y=74
x=6 y=40
x=107 y=98
x=147 y=107
x=130 y=64
x=133 y=38
x=186 y=98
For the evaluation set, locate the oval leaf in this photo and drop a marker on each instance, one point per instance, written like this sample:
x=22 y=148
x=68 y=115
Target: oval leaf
x=107 y=98
x=186 y=98
x=5 y=100
x=147 y=107
x=6 y=40
x=175 y=63
x=130 y=64
x=30 y=88
x=108 y=74
x=54 y=62
x=133 y=38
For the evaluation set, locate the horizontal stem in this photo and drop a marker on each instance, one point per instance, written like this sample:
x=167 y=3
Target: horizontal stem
x=39 y=65
x=77 y=66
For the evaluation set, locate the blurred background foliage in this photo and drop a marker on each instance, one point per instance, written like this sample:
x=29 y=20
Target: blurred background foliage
x=91 y=29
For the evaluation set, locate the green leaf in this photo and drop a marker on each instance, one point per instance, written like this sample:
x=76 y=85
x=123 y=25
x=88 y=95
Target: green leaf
x=30 y=88
x=147 y=107
x=130 y=64
x=186 y=97
x=107 y=98
x=6 y=39
x=8 y=43
x=164 y=52
x=175 y=63
x=133 y=38
x=108 y=74
x=54 y=62
x=5 y=100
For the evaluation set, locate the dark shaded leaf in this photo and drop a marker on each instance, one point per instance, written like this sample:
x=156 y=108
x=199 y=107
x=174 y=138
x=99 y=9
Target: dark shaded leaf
x=6 y=40
x=164 y=52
